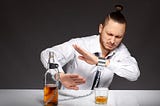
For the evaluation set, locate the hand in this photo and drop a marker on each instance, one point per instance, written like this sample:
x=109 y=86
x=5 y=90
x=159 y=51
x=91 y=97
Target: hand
x=86 y=56
x=71 y=81
x=107 y=62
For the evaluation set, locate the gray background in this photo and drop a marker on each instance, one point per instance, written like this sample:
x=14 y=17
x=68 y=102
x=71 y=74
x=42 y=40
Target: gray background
x=29 y=26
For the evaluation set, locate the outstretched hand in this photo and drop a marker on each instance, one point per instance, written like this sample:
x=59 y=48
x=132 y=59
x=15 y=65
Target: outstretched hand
x=71 y=81
x=86 y=56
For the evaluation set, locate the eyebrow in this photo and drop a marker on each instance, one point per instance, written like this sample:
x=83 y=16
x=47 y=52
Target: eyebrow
x=113 y=34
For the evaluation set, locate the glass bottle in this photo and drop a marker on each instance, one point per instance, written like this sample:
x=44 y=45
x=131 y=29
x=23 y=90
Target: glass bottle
x=51 y=84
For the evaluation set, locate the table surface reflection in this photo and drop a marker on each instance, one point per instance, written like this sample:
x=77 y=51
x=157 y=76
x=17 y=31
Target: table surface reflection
x=34 y=97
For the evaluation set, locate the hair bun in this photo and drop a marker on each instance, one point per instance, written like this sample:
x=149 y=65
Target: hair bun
x=118 y=8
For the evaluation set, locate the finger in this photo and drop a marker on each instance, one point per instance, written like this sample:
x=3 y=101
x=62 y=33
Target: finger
x=73 y=87
x=79 y=49
x=79 y=82
x=73 y=75
x=79 y=78
x=81 y=57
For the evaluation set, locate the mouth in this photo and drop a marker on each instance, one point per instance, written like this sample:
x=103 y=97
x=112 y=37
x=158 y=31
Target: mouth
x=111 y=46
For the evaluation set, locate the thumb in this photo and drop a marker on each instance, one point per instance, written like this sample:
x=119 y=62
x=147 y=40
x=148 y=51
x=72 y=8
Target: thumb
x=81 y=57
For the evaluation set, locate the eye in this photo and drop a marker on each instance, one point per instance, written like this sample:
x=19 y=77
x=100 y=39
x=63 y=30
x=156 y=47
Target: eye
x=119 y=36
x=110 y=34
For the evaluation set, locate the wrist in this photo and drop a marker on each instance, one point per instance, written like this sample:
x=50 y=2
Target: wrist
x=59 y=76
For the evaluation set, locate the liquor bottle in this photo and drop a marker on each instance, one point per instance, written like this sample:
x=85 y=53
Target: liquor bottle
x=51 y=84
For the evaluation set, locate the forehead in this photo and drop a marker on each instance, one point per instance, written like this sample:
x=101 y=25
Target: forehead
x=114 y=27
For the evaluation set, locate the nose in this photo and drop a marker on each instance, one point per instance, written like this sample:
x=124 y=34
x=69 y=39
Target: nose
x=113 y=39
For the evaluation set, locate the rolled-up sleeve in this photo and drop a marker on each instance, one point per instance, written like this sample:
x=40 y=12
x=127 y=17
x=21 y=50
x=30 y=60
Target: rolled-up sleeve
x=124 y=65
x=126 y=68
x=63 y=53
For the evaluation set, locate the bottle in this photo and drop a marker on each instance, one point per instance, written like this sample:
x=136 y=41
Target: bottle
x=51 y=84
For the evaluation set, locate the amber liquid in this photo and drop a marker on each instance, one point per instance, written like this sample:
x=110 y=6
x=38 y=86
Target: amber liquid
x=101 y=99
x=50 y=94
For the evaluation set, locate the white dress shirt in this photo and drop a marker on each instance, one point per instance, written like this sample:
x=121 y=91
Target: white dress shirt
x=121 y=62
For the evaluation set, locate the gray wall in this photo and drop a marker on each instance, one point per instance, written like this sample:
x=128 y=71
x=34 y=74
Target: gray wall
x=28 y=27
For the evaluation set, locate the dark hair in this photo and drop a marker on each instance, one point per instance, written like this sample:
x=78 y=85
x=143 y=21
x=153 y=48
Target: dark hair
x=116 y=15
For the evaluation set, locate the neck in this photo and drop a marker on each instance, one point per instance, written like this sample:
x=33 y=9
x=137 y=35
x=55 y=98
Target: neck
x=104 y=52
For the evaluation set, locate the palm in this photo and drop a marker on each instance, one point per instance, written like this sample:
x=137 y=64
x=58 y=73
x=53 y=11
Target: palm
x=71 y=81
x=86 y=56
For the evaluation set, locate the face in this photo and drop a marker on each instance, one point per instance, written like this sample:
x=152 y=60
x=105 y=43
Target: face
x=111 y=35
